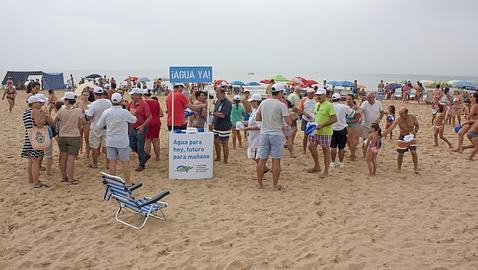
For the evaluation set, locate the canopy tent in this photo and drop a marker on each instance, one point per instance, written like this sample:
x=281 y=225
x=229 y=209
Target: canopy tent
x=48 y=81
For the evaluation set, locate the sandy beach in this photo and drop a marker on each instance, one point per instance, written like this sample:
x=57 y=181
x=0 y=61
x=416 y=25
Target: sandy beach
x=346 y=221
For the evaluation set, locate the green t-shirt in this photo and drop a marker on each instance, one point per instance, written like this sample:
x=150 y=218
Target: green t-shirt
x=323 y=112
x=237 y=114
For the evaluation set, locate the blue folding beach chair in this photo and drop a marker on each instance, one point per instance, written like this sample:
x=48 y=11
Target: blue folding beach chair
x=116 y=188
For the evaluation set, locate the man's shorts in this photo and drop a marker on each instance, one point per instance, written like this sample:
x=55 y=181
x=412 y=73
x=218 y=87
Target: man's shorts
x=69 y=145
x=113 y=153
x=364 y=131
x=404 y=146
x=322 y=140
x=270 y=145
x=97 y=138
x=221 y=135
x=339 y=139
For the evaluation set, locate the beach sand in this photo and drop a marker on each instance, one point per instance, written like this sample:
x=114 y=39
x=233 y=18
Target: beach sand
x=346 y=221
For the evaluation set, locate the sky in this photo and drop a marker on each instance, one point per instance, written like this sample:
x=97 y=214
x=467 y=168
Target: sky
x=437 y=37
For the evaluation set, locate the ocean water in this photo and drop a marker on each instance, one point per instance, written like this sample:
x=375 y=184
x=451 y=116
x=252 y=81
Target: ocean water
x=369 y=80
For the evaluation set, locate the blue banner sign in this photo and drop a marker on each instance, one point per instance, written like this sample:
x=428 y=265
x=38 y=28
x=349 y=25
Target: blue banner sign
x=190 y=74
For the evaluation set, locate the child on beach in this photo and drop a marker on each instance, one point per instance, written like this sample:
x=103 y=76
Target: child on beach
x=237 y=114
x=51 y=101
x=439 y=125
x=390 y=118
x=373 y=144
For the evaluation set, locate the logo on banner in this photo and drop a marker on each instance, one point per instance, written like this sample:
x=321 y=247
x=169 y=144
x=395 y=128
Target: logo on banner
x=183 y=168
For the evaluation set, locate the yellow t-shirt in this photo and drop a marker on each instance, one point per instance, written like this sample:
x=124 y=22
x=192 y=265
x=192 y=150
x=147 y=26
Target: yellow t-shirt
x=323 y=111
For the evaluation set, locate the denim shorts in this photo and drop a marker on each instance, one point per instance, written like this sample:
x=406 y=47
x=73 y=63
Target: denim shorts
x=270 y=145
x=113 y=153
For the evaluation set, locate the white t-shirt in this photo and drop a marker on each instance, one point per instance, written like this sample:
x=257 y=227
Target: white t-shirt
x=97 y=108
x=309 y=106
x=116 y=120
x=370 y=113
x=272 y=112
x=341 y=111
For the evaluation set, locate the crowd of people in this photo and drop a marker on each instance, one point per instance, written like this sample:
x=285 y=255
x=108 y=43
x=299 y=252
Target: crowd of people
x=103 y=122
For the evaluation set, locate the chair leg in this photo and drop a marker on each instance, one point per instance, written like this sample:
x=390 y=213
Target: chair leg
x=145 y=218
x=162 y=217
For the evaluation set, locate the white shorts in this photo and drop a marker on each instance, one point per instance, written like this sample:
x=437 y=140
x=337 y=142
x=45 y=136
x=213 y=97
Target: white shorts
x=97 y=138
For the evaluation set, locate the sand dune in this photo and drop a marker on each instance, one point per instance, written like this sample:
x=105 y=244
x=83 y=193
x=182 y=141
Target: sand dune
x=346 y=221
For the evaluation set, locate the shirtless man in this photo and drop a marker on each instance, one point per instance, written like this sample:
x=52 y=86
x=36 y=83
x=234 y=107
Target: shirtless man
x=472 y=115
x=408 y=125
x=473 y=137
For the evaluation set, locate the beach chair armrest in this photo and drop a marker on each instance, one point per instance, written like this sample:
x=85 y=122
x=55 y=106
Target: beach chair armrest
x=134 y=186
x=155 y=199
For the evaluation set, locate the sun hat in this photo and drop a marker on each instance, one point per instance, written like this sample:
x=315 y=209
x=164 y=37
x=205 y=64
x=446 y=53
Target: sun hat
x=116 y=98
x=255 y=97
x=37 y=98
x=237 y=97
x=98 y=90
x=69 y=95
x=136 y=91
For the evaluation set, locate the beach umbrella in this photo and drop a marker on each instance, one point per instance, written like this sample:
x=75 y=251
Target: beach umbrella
x=333 y=83
x=299 y=80
x=220 y=81
x=144 y=79
x=253 y=84
x=238 y=83
x=93 y=76
x=441 y=83
x=82 y=86
x=462 y=84
x=132 y=78
x=279 y=78
x=266 y=81
x=311 y=82
x=345 y=84
x=393 y=86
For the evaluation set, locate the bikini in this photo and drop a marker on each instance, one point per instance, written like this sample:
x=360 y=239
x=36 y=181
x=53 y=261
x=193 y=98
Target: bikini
x=11 y=95
x=472 y=134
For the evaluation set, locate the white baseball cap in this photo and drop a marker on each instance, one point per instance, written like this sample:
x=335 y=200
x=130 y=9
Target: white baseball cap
x=136 y=91
x=321 y=91
x=310 y=90
x=336 y=96
x=278 y=88
x=145 y=91
x=223 y=84
x=116 y=98
x=255 y=97
x=36 y=98
x=69 y=95
x=237 y=97
x=98 y=90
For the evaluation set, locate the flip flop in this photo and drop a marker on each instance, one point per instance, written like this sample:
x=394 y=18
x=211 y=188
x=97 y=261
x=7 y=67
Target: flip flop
x=64 y=180
x=74 y=182
x=41 y=185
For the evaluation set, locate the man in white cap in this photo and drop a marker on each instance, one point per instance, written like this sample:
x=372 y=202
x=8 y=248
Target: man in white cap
x=371 y=113
x=97 y=136
x=324 y=117
x=339 y=136
x=116 y=120
x=272 y=112
x=137 y=135
x=306 y=108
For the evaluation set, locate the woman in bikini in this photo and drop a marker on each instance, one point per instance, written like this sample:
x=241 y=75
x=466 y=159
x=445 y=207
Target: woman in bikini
x=472 y=115
x=11 y=94
x=439 y=126
x=456 y=107
x=83 y=104
x=353 y=122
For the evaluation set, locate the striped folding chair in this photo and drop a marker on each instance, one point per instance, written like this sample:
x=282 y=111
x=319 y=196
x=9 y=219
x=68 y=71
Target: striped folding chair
x=116 y=188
